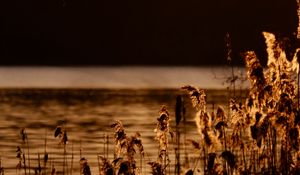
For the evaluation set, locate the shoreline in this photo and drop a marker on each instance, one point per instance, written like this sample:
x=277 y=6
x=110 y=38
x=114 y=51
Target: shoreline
x=123 y=77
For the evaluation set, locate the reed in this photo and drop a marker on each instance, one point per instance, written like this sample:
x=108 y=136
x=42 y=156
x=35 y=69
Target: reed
x=72 y=159
x=179 y=108
x=61 y=133
x=38 y=169
x=1 y=167
x=105 y=167
x=162 y=131
x=21 y=154
x=84 y=166
x=125 y=150
x=53 y=170
x=45 y=160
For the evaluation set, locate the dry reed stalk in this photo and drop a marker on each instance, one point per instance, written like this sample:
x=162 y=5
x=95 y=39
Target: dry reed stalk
x=53 y=170
x=162 y=131
x=45 y=155
x=38 y=169
x=126 y=149
x=80 y=149
x=186 y=159
x=24 y=138
x=61 y=133
x=107 y=145
x=211 y=129
x=1 y=167
x=72 y=159
x=104 y=146
x=105 y=167
x=232 y=80
x=178 y=115
x=98 y=163
x=84 y=167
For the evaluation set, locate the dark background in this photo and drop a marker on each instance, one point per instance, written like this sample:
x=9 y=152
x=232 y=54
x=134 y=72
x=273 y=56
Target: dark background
x=138 y=32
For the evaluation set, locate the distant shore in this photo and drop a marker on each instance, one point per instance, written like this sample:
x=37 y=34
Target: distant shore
x=123 y=77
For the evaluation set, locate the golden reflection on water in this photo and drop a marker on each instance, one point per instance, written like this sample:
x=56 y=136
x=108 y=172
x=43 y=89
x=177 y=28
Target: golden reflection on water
x=87 y=114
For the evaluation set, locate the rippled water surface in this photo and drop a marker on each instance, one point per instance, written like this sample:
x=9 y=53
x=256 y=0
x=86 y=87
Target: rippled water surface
x=87 y=114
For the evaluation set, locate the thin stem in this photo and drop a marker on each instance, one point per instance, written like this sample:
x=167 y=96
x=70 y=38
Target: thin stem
x=64 y=161
x=286 y=147
x=80 y=150
x=204 y=159
x=141 y=163
x=184 y=136
x=233 y=80
x=45 y=154
x=274 y=149
x=165 y=156
x=24 y=161
x=298 y=81
x=107 y=145
x=72 y=159
x=225 y=147
x=243 y=151
x=104 y=145
x=99 y=166
x=177 y=151
x=196 y=163
x=28 y=157
x=39 y=163
x=269 y=148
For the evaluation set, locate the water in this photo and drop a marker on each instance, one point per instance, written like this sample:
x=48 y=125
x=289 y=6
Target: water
x=88 y=114
x=88 y=101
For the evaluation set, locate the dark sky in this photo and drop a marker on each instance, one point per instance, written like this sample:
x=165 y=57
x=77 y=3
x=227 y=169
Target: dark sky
x=137 y=32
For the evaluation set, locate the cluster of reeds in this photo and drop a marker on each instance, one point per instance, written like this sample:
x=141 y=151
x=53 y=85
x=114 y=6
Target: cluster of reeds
x=162 y=131
x=84 y=168
x=260 y=136
x=105 y=167
x=126 y=148
x=24 y=160
x=211 y=131
x=124 y=154
x=42 y=163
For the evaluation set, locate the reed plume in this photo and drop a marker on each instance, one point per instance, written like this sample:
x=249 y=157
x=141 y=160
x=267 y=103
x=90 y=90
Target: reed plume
x=126 y=147
x=61 y=133
x=209 y=140
x=84 y=167
x=105 y=167
x=162 y=131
